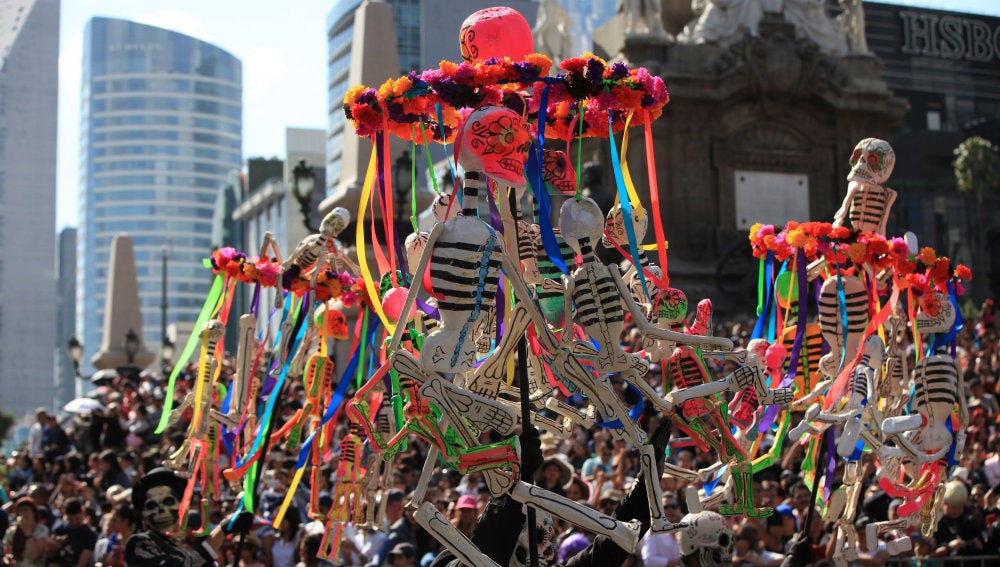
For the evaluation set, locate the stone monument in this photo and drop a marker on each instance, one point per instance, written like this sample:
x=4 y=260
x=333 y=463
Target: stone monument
x=765 y=109
x=121 y=311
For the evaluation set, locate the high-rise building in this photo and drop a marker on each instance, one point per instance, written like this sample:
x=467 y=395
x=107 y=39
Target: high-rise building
x=161 y=132
x=29 y=77
x=67 y=386
x=426 y=32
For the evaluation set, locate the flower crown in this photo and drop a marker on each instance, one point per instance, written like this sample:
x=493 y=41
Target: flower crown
x=922 y=272
x=267 y=273
x=430 y=105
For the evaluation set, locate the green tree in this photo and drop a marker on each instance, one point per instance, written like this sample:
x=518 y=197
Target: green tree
x=977 y=170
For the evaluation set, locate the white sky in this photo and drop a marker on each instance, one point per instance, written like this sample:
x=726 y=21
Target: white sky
x=283 y=49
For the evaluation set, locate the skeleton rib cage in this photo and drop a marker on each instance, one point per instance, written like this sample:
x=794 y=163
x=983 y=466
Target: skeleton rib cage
x=868 y=208
x=935 y=381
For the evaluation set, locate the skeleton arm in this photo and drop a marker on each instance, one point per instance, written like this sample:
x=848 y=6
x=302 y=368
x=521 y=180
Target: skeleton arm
x=696 y=341
x=842 y=214
x=890 y=198
x=411 y=296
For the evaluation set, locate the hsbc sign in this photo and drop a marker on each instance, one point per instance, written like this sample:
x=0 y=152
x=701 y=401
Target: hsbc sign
x=951 y=37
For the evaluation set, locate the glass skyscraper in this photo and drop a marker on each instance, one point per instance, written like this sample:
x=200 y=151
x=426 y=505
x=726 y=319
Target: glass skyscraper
x=161 y=129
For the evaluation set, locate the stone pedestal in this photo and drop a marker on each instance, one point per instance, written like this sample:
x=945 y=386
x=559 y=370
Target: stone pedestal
x=121 y=310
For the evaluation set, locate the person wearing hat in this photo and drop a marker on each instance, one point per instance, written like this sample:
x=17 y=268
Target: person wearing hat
x=464 y=515
x=956 y=534
x=24 y=542
x=156 y=498
x=554 y=474
x=402 y=554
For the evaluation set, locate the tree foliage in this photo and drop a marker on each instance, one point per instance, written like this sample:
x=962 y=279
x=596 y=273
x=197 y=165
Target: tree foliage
x=977 y=166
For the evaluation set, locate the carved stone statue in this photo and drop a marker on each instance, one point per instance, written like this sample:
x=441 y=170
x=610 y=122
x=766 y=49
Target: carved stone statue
x=646 y=10
x=722 y=21
x=852 y=22
x=552 y=31
x=811 y=22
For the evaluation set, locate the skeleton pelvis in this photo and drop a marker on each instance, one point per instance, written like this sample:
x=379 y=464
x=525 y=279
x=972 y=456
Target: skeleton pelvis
x=447 y=351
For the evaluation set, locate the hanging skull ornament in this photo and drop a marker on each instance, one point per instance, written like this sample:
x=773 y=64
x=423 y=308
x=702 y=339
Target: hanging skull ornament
x=545 y=539
x=708 y=535
x=580 y=220
x=495 y=32
x=872 y=161
x=331 y=322
x=495 y=141
x=614 y=226
x=936 y=313
x=558 y=172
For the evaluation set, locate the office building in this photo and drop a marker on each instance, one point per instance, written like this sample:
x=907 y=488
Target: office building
x=426 y=32
x=29 y=54
x=161 y=131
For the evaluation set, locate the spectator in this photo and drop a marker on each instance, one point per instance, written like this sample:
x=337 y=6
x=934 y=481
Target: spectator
x=602 y=460
x=403 y=554
x=24 y=543
x=73 y=541
x=464 y=515
x=956 y=534
x=36 y=432
x=110 y=550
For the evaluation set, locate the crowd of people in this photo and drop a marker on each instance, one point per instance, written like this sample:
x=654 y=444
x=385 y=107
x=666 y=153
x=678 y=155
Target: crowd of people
x=67 y=494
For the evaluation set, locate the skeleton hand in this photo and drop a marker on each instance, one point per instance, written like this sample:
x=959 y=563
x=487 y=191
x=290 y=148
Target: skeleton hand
x=486 y=386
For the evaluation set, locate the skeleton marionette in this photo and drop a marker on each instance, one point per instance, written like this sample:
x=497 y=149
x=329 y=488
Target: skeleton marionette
x=928 y=435
x=309 y=250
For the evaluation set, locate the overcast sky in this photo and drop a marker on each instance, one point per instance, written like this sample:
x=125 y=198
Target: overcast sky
x=283 y=50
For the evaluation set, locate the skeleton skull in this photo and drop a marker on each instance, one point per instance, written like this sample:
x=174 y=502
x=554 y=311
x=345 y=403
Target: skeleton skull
x=545 y=539
x=615 y=226
x=708 y=535
x=872 y=161
x=580 y=219
x=495 y=141
x=331 y=322
x=936 y=313
x=670 y=307
x=495 y=32
x=161 y=510
x=439 y=208
x=335 y=222
x=213 y=330
x=558 y=172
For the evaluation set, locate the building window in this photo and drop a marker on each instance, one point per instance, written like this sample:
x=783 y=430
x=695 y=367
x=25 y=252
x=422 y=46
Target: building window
x=934 y=120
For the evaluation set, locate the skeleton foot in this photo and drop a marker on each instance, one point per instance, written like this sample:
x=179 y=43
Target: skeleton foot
x=664 y=525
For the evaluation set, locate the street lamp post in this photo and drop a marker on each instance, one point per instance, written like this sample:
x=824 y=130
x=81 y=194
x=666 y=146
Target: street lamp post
x=402 y=185
x=131 y=346
x=74 y=350
x=303 y=187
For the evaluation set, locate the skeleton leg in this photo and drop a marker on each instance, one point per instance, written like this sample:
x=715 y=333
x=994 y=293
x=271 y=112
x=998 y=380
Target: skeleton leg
x=438 y=526
x=625 y=535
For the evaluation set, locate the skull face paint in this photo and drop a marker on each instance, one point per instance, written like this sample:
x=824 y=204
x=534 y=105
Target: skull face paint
x=495 y=32
x=161 y=510
x=872 y=161
x=495 y=141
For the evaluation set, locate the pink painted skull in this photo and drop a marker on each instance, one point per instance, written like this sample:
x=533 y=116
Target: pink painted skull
x=495 y=32
x=872 y=161
x=495 y=141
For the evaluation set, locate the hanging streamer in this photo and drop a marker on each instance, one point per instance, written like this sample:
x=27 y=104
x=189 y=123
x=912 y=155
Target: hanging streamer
x=626 y=206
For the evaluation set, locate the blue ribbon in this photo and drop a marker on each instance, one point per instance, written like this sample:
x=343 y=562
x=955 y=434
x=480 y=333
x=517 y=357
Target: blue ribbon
x=616 y=165
x=534 y=167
